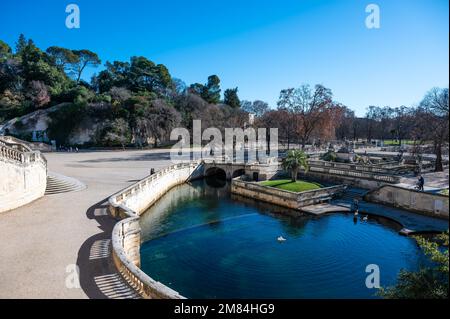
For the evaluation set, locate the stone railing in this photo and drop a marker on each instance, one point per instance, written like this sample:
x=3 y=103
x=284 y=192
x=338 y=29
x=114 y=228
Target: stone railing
x=385 y=168
x=284 y=198
x=347 y=172
x=23 y=175
x=128 y=205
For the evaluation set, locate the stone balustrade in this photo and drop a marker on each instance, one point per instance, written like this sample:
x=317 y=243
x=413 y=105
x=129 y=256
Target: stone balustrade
x=23 y=174
x=128 y=205
x=385 y=168
x=360 y=175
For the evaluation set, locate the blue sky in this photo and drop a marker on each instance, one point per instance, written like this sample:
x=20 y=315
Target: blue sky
x=257 y=45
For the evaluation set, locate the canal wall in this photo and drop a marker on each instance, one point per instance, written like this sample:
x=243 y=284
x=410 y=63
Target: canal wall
x=435 y=205
x=127 y=205
x=284 y=198
x=23 y=175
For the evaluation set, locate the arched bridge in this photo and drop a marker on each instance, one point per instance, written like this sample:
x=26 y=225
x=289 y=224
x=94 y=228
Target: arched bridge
x=230 y=170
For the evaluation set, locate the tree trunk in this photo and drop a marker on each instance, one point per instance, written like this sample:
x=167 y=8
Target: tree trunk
x=438 y=164
x=294 y=174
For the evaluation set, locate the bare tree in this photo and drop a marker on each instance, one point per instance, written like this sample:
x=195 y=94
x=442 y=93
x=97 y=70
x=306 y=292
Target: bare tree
x=306 y=108
x=435 y=112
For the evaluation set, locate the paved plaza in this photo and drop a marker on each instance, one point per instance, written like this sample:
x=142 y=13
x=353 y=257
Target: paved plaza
x=44 y=239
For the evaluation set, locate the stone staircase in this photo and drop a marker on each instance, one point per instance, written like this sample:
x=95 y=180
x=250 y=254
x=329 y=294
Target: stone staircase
x=57 y=184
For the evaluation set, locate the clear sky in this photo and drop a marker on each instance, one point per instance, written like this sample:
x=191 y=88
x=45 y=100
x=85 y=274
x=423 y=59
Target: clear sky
x=260 y=46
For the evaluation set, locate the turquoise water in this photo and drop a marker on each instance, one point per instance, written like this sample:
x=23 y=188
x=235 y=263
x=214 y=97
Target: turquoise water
x=205 y=244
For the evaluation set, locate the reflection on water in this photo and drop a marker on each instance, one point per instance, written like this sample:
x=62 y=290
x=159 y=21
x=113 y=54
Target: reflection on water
x=206 y=243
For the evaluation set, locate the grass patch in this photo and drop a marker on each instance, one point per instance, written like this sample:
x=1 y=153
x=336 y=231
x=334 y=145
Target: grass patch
x=396 y=143
x=288 y=185
x=444 y=192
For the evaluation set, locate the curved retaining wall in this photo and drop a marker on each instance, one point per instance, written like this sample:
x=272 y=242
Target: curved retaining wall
x=23 y=175
x=128 y=205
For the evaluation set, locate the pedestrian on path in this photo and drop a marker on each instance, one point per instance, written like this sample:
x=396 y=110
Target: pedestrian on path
x=420 y=183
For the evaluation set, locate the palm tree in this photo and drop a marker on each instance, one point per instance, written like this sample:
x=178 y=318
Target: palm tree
x=294 y=160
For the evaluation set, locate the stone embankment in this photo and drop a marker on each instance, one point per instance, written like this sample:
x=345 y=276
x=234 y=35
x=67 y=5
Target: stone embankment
x=431 y=204
x=282 y=197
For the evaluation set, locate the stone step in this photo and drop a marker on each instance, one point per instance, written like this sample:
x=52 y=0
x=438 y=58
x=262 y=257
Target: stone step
x=57 y=184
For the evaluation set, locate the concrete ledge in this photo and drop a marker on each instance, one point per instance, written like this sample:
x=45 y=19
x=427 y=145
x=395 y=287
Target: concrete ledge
x=435 y=205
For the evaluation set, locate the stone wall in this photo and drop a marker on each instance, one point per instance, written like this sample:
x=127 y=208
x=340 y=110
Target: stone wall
x=435 y=205
x=23 y=175
x=128 y=205
x=284 y=198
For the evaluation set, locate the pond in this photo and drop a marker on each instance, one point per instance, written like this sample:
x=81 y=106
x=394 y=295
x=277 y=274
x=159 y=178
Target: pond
x=206 y=243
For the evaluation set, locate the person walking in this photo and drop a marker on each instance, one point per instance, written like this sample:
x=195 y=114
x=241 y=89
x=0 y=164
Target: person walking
x=355 y=205
x=421 y=183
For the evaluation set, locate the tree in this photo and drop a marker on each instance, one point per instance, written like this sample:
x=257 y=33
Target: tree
x=20 y=44
x=38 y=94
x=152 y=119
x=429 y=282
x=294 y=160
x=210 y=92
x=436 y=110
x=117 y=132
x=370 y=120
x=231 y=98
x=146 y=75
x=116 y=74
x=84 y=58
x=345 y=128
x=119 y=95
x=306 y=108
x=11 y=75
x=256 y=107
x=62 y=57
x=36 y=65
x=5 y=51
x=402 y=123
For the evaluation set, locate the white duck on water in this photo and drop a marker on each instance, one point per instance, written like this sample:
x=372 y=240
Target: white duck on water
x=281 y=238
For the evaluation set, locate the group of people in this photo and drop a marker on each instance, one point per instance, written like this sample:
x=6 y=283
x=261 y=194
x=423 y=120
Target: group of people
x=69 y=149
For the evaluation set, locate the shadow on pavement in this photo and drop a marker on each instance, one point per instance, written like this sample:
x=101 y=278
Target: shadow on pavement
x=99 y=277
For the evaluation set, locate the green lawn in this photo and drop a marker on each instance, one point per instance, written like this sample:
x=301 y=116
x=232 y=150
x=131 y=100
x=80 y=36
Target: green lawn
x=288 y=185
x=394 y=142
x=444 y=192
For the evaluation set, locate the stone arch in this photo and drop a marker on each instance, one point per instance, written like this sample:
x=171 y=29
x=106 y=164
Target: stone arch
x=238 y=172
x=216 y=171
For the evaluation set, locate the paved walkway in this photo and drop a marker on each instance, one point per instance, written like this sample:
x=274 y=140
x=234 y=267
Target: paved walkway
x=434 y=181
x=43 y=240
